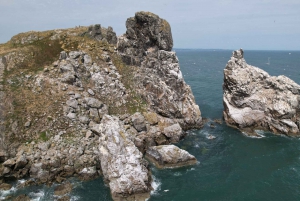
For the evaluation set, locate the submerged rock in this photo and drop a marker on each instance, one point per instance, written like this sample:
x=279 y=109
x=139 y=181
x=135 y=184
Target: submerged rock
x=255 y=100
x=169 y=156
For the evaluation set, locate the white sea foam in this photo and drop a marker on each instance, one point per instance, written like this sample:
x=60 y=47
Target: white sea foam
x=3 y=194
x=260 y=134
x=37 y=195
x=21 y=181
x=191 y=169
x=75 y=198
x=156 y=185
x=177 y=174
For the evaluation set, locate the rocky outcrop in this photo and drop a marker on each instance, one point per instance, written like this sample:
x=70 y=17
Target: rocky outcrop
x=122 y=163
x=99 y=33
x=148 y=43
x=169 y=156
x=82 y=102
x=255 y=100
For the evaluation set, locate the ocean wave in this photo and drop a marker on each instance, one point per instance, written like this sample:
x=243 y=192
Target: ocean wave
x=37 y=195
x=156 y=185
x=4 y=193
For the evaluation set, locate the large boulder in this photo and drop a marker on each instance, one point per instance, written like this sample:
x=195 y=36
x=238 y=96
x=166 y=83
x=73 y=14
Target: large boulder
x=255 y=100
x=122 y=163
x=169 y=156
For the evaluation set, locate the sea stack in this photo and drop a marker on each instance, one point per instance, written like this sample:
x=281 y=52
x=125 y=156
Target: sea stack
x=254 y=100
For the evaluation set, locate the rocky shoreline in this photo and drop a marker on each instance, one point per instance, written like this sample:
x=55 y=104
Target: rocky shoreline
x=95 y=107
x=83 y=102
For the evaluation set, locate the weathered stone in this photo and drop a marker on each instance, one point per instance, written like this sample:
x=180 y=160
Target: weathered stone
x=174 y=132
x=147 y=44
x=27 y=124
x=91 y=92
x=21 y=162
x=10 y=162
x=138 y=121
x=93 y=103
x=255 y=100
x=71 y=115
x=169 y=156
x=72 y=103
x=151 y=117
x=5 y=186
x=63 y=55
x=121 y=161
x=63 y=189
x=84 y=119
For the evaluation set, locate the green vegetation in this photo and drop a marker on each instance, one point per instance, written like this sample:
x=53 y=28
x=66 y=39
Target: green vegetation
x=135 y=103
x=43 y=136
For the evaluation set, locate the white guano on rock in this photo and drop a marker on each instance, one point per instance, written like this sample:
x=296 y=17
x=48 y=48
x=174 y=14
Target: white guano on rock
x=255 y=100
x=121 y=162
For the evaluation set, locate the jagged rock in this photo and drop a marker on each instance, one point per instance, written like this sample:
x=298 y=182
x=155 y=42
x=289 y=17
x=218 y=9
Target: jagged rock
x=72 y=103
x=174 y=132
x=63 y=55
x=84 y=119
x=147 y=43
x=111 y=36
x=94 y=115
x=121 y=161
x=93 y=103
x=138 y=121
x=63 y=189
x=151 y=117
x=255 y=100
x=10 y=163
x=5 y=186
x=147 y=30
x=169 y=156
x=21 y=162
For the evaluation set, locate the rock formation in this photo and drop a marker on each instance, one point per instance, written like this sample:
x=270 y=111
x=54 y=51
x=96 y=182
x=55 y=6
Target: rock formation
x=82 y=102
x=148 y=43
x=122 y=163
x=169 y=156
x=255 y=100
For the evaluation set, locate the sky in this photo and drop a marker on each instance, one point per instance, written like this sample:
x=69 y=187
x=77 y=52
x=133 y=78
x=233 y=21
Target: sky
x=201 y=24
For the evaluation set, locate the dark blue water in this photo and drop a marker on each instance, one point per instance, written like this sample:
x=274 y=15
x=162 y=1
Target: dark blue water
x=232 y=166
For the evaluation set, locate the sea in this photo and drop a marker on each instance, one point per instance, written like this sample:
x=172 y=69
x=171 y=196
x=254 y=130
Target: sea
x=232 y=166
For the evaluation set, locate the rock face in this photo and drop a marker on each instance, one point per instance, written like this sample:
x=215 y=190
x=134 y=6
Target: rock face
x=169 y=156
x=148 y=43
x=255 y=100
x=121 y=162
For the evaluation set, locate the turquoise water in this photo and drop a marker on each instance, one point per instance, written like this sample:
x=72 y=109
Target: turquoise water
x=232 y=166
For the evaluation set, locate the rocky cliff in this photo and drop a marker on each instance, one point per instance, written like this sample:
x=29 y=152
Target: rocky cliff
x=84 y=102
x=255 y=100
